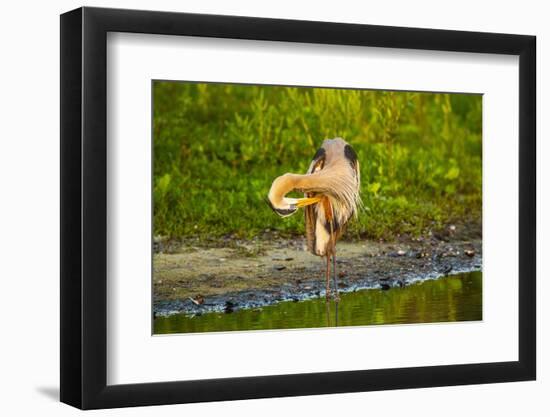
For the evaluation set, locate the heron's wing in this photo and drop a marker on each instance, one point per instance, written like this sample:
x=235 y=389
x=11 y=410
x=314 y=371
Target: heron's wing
x=316 y=165
x=311 y=220
x=357 y=172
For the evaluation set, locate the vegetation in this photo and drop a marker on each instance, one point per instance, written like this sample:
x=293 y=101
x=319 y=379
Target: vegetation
x=218 y=147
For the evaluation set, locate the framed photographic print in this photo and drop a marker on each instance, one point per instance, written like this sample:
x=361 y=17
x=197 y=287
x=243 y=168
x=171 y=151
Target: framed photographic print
x=257 y=207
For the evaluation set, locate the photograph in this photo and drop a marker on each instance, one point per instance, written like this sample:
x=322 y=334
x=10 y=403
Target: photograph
x=259 y=206
x=243 y=209
x=290 y=207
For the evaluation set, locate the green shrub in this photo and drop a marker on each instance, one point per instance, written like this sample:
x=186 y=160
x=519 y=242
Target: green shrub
x=218 y=147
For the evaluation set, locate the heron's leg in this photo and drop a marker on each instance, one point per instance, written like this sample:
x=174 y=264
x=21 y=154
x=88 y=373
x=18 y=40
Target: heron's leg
x=334 y=278
x=333 y=254
x=327 y=293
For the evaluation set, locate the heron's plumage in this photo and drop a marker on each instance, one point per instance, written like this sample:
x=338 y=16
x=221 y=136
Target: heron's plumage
x=335 y=166
x=334 y=176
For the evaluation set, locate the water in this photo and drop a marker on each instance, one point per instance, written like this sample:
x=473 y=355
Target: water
x=453 y=298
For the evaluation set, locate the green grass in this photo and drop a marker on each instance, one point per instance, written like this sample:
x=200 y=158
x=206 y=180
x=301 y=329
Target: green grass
x=218 y=147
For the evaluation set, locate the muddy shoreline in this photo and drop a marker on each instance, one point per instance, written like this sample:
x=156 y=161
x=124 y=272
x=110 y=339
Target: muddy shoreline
x=194 y=279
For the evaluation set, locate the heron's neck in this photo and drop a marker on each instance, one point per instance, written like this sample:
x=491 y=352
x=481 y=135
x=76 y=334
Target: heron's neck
x=301 y=182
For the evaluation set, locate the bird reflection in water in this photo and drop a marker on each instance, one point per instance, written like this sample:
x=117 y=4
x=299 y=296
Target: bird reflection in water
x=329 y=315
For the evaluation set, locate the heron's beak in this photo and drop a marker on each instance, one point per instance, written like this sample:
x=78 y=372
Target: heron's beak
x=303 y=202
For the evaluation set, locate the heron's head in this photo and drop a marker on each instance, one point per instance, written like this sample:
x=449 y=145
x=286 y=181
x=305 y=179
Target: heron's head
x=282 y=205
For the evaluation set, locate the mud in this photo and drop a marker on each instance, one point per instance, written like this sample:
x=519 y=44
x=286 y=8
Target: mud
x=194 y=279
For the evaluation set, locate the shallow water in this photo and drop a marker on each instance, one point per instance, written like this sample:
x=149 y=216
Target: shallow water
x=453 y=298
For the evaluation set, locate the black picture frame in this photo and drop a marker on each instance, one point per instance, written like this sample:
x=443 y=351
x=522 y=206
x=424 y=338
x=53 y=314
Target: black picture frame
x=84 y=207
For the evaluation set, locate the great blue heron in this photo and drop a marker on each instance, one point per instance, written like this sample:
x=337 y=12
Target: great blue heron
x=331 y=198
